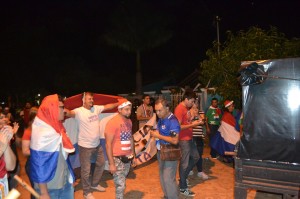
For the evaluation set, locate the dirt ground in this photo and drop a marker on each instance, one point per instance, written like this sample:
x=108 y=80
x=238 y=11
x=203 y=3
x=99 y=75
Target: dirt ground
x=143 y=182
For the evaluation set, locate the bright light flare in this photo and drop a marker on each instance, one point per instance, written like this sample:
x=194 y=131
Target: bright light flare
x=294 y=98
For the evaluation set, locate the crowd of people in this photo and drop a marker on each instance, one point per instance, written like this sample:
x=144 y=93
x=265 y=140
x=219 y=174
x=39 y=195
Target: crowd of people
x=187 y=127
x=41 y=134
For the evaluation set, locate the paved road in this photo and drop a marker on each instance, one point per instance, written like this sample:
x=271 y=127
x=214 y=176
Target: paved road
x=143 y=183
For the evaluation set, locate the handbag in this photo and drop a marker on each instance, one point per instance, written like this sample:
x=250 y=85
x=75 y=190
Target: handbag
x=170 y=152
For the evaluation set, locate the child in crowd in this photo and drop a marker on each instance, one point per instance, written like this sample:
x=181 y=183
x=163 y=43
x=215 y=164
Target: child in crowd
x=198 y=136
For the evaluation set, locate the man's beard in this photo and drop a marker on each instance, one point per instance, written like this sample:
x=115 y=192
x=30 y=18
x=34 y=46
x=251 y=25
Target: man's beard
x=127 y=116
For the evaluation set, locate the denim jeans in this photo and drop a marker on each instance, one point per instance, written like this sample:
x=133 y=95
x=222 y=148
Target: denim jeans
x=190 y=157
x=85 y=155
x=67 y=192
x=167 y=177
x=198 y=141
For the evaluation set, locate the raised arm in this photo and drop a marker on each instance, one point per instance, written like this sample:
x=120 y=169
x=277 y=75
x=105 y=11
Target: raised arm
x=110 y=106
x=69 y=113
x=9 y=156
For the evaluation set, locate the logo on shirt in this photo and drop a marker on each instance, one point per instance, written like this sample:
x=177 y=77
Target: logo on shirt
x=93 y=118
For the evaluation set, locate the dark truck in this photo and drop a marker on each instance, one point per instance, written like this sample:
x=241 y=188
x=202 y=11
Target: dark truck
x=268 y=154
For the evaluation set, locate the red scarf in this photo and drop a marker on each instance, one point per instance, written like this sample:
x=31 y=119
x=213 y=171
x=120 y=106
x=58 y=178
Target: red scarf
x=49 y=113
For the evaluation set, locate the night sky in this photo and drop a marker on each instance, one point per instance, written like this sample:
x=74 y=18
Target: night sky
x=41 y=40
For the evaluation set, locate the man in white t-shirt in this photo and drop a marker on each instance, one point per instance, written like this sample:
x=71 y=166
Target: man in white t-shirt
x=87 y=117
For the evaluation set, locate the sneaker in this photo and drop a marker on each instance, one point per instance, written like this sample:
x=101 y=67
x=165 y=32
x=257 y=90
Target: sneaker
x=89 y=196
x=191 y=173
x=99 y=188
x=187 y=192
x=202 y=175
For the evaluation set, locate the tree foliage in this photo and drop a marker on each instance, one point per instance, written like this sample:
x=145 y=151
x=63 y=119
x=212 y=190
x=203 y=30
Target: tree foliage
x=254 y=44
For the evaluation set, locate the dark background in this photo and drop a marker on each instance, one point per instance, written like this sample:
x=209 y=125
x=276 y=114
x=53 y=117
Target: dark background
x=42 y=41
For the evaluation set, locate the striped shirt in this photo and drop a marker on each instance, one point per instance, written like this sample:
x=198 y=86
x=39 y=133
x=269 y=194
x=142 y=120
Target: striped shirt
x=198 y=130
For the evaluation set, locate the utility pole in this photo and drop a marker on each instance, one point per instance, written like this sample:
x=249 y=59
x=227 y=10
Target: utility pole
x=218 y=34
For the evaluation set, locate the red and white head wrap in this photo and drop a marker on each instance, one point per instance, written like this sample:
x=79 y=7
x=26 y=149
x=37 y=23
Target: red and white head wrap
x=126 y=103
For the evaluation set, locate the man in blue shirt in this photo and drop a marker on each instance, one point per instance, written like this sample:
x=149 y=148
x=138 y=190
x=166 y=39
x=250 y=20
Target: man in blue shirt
x=167 y=133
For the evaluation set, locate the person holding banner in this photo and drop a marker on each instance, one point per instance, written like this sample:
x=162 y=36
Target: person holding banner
x=145 y=111
x=87 y=117
x=120 y=146
x=167 y=133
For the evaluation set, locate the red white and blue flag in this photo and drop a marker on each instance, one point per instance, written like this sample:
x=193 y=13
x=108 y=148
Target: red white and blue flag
x=228 y=134
x=125 y=141
x=48 y=140
x=44 y=151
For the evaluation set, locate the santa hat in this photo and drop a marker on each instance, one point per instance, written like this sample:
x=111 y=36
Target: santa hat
x=227 y=103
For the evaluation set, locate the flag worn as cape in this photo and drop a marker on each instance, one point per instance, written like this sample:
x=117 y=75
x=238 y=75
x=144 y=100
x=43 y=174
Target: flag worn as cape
x=228 y=134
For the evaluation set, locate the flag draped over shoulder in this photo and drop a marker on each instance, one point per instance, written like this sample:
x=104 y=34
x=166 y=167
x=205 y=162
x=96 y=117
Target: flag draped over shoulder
x=47 y=139
x=228 y=134
x=44 y=151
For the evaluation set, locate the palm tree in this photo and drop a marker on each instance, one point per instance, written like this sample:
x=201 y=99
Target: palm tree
x=135 y=28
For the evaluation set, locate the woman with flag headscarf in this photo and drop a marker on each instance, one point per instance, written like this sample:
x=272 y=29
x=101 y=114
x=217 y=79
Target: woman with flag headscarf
x=228 y=133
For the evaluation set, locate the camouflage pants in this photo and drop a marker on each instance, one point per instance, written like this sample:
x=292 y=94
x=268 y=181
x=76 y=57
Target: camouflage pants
x=120 y=177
